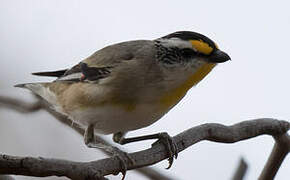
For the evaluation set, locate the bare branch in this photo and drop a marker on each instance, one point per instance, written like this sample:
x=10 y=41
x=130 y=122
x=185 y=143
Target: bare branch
x=90 y=170
x=278 y=154
x=275 y=159
x=241 y=170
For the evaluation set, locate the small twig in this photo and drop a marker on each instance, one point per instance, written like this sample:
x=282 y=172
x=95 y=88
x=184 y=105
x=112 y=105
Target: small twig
x=278 y=154
x=89 y=170
x=241 y=170
x=18 y=105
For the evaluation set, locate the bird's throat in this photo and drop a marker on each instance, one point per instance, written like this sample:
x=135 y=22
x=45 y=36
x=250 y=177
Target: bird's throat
x=173 y=97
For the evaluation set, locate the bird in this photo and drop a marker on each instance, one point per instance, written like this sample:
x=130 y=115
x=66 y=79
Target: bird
x=130 y=85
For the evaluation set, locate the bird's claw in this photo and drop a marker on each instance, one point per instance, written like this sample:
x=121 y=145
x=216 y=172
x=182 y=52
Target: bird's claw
x=123 y=158
x=170 y=145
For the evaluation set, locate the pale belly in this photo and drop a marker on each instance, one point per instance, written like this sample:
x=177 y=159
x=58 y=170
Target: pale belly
x=113 y=119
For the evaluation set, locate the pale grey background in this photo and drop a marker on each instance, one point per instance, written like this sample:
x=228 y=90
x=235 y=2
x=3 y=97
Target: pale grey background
x=51 y=34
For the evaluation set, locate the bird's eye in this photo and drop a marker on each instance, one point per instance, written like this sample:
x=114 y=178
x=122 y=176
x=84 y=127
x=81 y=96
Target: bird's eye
x=188 y=53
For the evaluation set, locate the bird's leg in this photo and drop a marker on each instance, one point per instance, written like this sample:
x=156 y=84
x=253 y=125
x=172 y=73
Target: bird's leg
x=163 y=138
x=92 y=142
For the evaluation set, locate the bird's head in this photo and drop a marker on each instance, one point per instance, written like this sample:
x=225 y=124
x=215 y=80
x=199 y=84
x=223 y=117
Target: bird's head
x=193 y=46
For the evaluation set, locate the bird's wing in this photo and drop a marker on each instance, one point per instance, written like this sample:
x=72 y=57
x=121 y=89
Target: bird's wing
x=101 y=63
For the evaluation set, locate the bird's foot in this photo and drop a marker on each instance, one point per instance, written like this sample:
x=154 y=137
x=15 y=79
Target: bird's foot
x=170 y=145
x=122 y=156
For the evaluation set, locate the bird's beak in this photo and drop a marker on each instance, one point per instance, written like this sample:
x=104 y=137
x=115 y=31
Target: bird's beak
x=219 y=56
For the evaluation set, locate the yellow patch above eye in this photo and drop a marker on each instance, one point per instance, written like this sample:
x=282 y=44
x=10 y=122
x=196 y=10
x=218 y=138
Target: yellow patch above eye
x=201 y=46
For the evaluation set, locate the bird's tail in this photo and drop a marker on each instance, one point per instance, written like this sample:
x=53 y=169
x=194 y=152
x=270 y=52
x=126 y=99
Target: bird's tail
x=40 y=89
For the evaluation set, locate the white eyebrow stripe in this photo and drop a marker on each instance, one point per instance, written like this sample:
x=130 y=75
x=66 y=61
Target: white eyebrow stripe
x=175 y=42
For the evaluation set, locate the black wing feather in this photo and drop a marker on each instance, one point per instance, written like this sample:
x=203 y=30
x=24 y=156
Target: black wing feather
x=82 y=72
x=51 y=73
x=94 y=73
x=89 y=73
